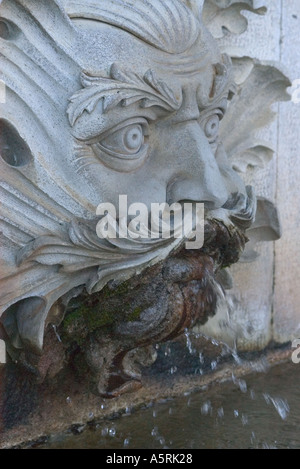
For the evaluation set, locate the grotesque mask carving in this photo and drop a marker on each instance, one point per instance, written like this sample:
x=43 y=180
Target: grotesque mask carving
x=108 y=98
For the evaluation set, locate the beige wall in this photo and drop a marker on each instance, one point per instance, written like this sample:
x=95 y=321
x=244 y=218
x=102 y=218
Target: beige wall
x=286 y=313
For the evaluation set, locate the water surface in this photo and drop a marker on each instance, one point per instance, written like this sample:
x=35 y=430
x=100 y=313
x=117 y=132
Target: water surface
x=261 y=411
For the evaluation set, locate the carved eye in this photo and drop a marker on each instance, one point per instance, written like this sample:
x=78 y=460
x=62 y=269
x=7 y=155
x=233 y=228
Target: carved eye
x=211 y=128
x=124 y=148
x=127 y=140
x=211 y=125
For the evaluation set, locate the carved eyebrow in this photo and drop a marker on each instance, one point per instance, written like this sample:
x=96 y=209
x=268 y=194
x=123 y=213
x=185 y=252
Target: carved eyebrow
x=223 y=85
x=123 y=87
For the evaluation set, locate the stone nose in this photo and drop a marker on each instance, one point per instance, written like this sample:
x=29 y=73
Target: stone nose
x=196 y=174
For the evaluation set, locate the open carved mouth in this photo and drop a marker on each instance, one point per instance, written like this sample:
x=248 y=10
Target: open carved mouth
x=222 y=244
x=195 y=271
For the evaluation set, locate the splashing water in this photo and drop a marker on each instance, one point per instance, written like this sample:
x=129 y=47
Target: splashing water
x=56 y=333
x=112 y=432
x=240 y=383
x=213 y=364
x=189 y=346
x=206 y=408
x=281 y=405
x=227 y=416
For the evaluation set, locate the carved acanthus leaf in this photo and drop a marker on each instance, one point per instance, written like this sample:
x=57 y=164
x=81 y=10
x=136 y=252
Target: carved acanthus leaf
x=259 y=86
x=123 y=87
x=220 y=15
x=266 y=227
x=264 y=85
x=253 y=154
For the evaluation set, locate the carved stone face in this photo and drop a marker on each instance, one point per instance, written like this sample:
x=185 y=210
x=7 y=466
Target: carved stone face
x=126 y=100
x=165 y=152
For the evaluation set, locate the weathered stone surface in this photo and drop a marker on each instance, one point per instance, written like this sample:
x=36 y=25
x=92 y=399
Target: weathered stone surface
x=286 y=318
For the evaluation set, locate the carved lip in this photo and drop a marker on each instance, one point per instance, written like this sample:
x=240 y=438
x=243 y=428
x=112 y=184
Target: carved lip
x=222 y=247
x=224 y=231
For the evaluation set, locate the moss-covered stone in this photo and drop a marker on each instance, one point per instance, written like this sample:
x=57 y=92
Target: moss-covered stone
x=79 y=323
x=96 y=318
x=103 y=309
x=122 y=289
x=135 y=314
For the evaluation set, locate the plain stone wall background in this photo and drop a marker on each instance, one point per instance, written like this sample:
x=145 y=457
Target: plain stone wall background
x=286 y=312
x=266 y=296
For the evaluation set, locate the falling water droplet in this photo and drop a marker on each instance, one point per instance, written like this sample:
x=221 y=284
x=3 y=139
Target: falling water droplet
x=266 y=445
x=188 y=342
x=215 y=342
x=235 y=355
x=213 y=365
x=69 y=400
x=236 y=413
x=126 y=442
x=282 y=408
x=243 y=385
x=56 y=333
x=244 y=419
x=220 y=412
x=206 y=408
x=267 y=398
x=281 y=405
x=112 y=432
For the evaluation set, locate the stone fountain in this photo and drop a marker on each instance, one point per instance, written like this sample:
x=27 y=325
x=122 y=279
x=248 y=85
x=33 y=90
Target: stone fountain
x=112 y=108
